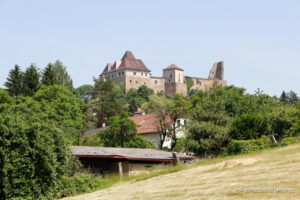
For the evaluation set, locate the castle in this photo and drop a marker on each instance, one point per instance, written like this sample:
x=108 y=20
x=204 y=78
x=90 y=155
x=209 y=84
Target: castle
x=133 y=73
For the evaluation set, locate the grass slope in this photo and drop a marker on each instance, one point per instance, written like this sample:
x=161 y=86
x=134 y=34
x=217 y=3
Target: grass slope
x=270 y=174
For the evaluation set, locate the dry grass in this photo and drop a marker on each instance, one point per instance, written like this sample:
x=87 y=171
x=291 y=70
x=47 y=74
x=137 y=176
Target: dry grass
x=252 y=176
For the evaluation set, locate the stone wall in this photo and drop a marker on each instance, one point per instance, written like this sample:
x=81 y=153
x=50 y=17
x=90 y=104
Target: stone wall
x=205 y=84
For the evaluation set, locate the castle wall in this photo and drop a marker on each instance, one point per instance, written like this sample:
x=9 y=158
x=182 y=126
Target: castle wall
x=157 y=84
x=135 y=79
x=205 y=84
x=172 y=88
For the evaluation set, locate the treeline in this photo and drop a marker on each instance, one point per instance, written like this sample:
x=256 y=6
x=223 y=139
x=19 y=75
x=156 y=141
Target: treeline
x=41 y=114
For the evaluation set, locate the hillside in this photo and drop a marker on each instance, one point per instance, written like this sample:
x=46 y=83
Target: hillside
x=271 y=174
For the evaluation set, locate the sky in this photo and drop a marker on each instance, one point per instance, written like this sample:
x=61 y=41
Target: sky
x=258 y=40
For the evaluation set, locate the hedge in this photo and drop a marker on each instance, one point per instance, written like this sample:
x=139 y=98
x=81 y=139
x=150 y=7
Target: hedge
x=245 y=146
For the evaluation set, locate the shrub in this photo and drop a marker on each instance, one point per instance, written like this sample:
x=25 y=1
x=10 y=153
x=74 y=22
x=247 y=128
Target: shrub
x=245 y=146
x=289 y=140
x=83 y=183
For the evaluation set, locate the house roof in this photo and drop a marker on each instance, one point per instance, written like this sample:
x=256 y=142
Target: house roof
x=128 y=61
x=146 y=123
x=126 y=153
x=173 y=66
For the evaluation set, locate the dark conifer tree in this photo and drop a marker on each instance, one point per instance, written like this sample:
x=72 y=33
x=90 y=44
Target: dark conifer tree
x=14 y=82
x=49 y=75
x=31 y=81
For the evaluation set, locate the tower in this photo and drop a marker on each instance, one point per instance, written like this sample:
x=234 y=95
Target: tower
x=174 y=80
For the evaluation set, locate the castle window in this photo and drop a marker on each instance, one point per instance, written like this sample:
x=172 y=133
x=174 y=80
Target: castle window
x=130 y=81
x=144 y=83
x=122 y=73
x=145 y=74
x=134 y=73
x=155 y=81
x=119 y=73
x=136 y=82
x=142 y=74
x=170 y=75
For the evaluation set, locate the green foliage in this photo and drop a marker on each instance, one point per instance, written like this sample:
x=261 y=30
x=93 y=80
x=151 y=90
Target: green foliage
x=206 y=138
x=144 y=92
x=62 y=76
x=83 y=183
x=64 y=107
x=289 y=140
x=136 y=98
x=14 y=83
x=31 y=80
x=246 y=146
x=34 y=155
x=189 y=83
x=281 y=119
x=109 y=100
x=86 y=92
x=49 y=76
x=5 y=98
x=122 y=133
x=249 y=126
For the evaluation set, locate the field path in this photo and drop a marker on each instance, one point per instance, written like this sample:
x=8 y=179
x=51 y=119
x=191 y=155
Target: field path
x=272 y=174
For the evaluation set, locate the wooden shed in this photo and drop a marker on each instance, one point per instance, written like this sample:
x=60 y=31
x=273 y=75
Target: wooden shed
x=126 y=161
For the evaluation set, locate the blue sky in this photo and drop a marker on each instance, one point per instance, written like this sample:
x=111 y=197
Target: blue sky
x=258 y=40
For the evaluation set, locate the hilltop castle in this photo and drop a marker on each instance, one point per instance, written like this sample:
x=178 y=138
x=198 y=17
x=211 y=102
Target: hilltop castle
x=133 y=73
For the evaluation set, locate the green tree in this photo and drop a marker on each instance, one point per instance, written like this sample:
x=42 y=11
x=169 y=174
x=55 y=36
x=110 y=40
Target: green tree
x=62 y=76
x=159 y=105
x=31 y=80
x=49 y=75
x=207 y=132
x=5 y=98
x=249 y=126
x=177 y=109
x=14 y=82
x=144 y=92
x=281 y=120
x=122 y=133
x=206 y=138
x=34 y=155
x=86 y=92
x=109 y=101
x=283 y=97
x=65 y=108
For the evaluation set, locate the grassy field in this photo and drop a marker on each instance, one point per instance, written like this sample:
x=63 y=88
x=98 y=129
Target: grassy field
x=271 y=174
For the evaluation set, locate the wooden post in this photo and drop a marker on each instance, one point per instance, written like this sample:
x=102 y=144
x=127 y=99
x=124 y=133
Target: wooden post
x=273 y=139
x=120 y=169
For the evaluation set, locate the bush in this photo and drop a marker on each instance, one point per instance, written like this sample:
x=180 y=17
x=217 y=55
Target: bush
x=245 y=146
x=34 y=155
x=289 y=140
x=249 y=126
x=83 y=183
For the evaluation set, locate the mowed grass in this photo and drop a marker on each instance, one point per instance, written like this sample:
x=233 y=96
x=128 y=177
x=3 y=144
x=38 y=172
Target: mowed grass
x=270 y=174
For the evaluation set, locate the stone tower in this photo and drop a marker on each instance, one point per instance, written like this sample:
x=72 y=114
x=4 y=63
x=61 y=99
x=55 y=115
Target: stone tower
x=217 y=71
x=174 y=81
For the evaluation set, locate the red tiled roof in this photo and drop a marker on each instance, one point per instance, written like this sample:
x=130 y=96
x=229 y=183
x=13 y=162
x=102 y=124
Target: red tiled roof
x=128 y=61
x=146 y=123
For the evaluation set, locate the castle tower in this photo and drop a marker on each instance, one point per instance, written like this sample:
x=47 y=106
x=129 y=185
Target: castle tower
x=217 y=71
x=174 y=80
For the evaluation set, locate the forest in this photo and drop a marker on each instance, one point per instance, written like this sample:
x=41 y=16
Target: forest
x=42 y=114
